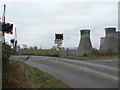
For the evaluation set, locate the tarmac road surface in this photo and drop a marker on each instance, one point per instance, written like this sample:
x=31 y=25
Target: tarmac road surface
x=77 y=73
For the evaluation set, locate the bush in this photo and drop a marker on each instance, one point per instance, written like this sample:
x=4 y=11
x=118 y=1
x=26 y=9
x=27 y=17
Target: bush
x=97 y=53
x=6 y=52
x=93 y=52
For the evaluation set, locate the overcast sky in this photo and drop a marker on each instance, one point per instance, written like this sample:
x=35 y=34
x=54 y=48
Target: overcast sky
x=37 y=22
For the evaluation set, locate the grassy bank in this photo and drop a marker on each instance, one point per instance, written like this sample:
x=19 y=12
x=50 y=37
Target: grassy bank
x=20 y=75
x=16 y=76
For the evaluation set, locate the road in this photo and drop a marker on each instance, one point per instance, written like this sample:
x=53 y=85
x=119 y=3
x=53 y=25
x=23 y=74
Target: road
x=77 y=73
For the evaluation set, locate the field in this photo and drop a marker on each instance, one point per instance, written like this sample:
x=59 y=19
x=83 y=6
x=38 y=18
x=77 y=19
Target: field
x=90 y=55
x=42 y=52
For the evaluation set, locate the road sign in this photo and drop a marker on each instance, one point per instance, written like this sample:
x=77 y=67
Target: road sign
x=58 y=36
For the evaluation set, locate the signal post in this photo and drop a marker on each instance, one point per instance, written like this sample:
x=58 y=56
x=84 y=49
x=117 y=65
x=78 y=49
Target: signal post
x=58 y=40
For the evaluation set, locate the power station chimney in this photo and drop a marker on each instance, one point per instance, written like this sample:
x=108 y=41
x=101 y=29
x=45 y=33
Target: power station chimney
x=110 y=41
x=85 y=42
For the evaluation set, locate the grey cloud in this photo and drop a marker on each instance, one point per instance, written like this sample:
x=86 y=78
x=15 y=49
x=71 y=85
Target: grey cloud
x=38 y=22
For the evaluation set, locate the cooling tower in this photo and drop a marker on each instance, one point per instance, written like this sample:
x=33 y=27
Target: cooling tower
x=85 y=42
x=102 y=39
x=118 y=39
x=109 y=42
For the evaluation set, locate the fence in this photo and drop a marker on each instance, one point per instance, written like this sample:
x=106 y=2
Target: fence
x=72 y=51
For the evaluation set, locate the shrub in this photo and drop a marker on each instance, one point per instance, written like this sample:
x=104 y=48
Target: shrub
x=96 y=53
x=6 y=52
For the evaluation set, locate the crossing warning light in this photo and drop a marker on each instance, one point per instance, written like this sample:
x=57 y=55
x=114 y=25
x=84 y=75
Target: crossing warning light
x=7 y=28
x=58 y=36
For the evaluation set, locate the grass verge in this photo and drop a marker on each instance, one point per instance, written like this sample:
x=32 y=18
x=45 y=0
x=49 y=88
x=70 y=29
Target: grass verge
x=44 y=80
x=20 y=75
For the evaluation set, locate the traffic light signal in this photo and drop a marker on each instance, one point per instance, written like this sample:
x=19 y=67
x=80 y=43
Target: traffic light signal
x=7 y=27
x=58 y=36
